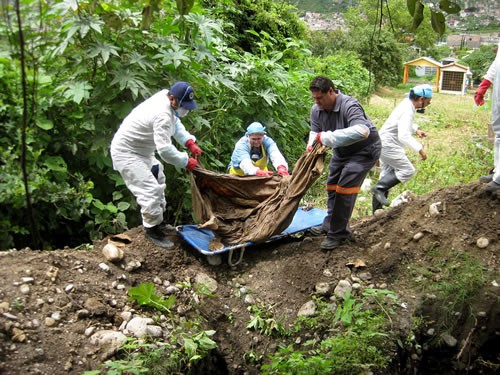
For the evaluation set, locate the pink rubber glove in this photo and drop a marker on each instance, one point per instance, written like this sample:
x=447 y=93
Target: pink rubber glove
x=262 y=173
x=309 y=148
x=192 y=164
x=283 y=171
x=481 y=90
x=193 y=148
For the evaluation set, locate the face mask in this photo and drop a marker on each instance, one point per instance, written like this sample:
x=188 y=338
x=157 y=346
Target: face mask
x=181 y=112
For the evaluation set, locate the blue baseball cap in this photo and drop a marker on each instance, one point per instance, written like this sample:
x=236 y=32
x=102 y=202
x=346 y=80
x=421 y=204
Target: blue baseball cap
x=184 y=94
x=256 y=127
x=423 y=90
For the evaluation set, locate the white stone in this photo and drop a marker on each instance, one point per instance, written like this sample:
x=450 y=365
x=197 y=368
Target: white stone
x=112 y=253
x=342 y=288
x=482 y=242
x=139 y=326
x=25 y=289
x=307 y=309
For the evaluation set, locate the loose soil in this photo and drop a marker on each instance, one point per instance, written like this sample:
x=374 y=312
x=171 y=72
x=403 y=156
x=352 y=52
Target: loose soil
x=282 y=274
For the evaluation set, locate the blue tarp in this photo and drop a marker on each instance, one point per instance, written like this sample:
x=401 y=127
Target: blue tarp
x=201 y=238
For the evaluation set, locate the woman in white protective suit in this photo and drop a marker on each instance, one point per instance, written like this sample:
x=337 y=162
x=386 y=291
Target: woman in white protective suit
x=492 y=77
x=146 y=130
x=396 y=134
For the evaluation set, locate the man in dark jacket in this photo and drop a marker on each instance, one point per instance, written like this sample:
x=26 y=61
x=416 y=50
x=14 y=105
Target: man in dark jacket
x=338 y=121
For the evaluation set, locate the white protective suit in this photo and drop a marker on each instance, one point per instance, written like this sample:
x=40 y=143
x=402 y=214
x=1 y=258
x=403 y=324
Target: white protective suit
x=493 y=75
x=396 y=134
x=146 y=130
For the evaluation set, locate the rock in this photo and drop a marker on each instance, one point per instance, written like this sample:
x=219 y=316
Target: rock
x=104 y=267
x=482 y=243
x=28 y=280
x=449 y=339
x=154 y=331
x=418 y=236
x=82 y=314
x=112 y=253
x=434 y=208
x=214 y=260
x=133 y=265
x=18 y=335
x=68 y=288
x=95 y=306
x=49 y=322
x=138 y=326
x=4 y=306
x=323 y=289
x=206 y=281
x=307 y=309
x=24 y=289
x=108 y=341
x=249 y=299
x=342 y=288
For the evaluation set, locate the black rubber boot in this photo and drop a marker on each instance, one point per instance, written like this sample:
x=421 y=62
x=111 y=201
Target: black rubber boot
x=376 y=205
x=382 y=187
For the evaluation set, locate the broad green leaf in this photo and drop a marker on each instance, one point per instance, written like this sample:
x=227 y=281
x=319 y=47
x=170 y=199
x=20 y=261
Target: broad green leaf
x=104 y=49
x=418 y=16
x=78 y=91
x=142 y=293
x=411 y=6
x=449 y=7
x=438 y=22
x=206 y=343
x=190 y=347
x=123 y=206
x=44 y=123
x=55 y=163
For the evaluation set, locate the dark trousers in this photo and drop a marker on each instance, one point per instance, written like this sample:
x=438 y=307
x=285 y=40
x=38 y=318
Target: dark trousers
x=343 y=185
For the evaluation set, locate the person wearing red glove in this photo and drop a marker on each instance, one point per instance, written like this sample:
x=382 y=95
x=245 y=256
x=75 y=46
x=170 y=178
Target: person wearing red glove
x=492 y=77
x=481 y=91
x=253 y=151
x=149 y=129
x=193 y=148
x=338 y=121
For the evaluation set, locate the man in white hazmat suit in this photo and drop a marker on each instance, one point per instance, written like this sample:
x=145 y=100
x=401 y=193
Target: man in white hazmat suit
x=396 y=134
x=253 y=151
x=492 y=77
x=146 y=130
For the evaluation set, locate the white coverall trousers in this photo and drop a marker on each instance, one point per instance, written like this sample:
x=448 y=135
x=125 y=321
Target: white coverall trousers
x=393 y=158
x=149 y=191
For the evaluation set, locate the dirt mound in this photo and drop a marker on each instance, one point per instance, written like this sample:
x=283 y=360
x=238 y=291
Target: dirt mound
x=51 y=303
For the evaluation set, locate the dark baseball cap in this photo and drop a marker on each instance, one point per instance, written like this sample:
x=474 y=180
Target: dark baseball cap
x=184 y=94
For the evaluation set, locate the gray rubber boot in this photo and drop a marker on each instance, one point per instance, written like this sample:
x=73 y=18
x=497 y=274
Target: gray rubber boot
x=485 y=179
x=382 y=187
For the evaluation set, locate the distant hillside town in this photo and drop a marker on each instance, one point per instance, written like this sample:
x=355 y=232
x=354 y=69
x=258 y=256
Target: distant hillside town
x=316 y=22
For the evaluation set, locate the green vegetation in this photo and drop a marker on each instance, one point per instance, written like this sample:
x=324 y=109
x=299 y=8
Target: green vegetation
x=187 y=342
x=144 y=294
x=352 y=339
x=457 y=146
x=86 y=66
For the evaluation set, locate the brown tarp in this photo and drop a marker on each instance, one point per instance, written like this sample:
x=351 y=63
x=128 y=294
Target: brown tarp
x=251 y=208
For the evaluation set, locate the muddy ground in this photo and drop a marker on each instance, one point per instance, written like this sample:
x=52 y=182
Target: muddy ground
x=51 y=302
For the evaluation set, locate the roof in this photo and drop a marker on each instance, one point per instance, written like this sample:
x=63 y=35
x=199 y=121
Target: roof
x=454 y=66
x=424 y=61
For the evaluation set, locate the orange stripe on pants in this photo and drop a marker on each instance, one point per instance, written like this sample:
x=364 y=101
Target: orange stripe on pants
x=343 y=190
